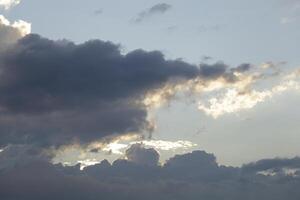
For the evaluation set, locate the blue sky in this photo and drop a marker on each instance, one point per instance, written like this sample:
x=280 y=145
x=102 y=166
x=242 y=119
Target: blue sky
x=233 y=31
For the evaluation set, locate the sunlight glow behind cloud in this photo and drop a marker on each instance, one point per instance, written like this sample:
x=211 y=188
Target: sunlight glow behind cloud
x=23 y=27
x=119 y=148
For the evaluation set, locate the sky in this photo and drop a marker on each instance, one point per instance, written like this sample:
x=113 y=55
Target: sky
x=139 y=90
x=233 y=32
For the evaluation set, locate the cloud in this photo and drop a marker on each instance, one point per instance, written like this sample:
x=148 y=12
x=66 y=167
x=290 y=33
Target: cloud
x=119 y=148
x=212 y=77
x=233 y=102
x=242 y=68
x=189 y=176
x=142 y=156
x=293 y=3
x=209 y=28
x=168 y=145
x=275 y=164
x=273 y=65
x=80 y=92
x=236 y=98
x=115 y=148
x=14 y=155
x=87 y=162
x=11 y=32
x=7 y=4
x=292 y=12
x=98 y=12
x=55 y=93
x=171 y=29
x=287 y=20
x=160 y=8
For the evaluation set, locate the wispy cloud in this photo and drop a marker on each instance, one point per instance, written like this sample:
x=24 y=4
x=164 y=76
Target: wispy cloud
x=292 y=13
x=98 y=12
x=7 y=4
x=157 y=9
x=209 y=28
x=234 y=100
x=287 y=20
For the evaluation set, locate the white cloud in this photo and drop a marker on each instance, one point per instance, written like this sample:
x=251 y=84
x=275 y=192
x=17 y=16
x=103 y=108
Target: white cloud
x=87 y=162
x=287 y=20
x=22 y=26
x=7 y=4
x=233 y=101
x=11 y=32
x=115 y=148
x=119 y=148
x=220 y=96
x=168 y=145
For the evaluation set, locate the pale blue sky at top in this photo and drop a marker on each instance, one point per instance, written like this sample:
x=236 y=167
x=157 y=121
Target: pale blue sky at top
x=233 y=31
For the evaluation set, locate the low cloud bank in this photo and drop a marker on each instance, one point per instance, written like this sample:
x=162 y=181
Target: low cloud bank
x=194 y=175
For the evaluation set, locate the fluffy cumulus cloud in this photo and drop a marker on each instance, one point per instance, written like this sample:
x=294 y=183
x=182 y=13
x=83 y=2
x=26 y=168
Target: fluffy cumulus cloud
x=195 y=175
x=137 y=154
x=157 y=9
x=7 y=4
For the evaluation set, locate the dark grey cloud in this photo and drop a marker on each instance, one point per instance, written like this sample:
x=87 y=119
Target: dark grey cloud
x=137 y=154
x=212 y=71
x=242 y=68
x=13 y=155
x=160 y=8
x=190 y=176
x=198 y=166
x=272 y=165
x=56 y=92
